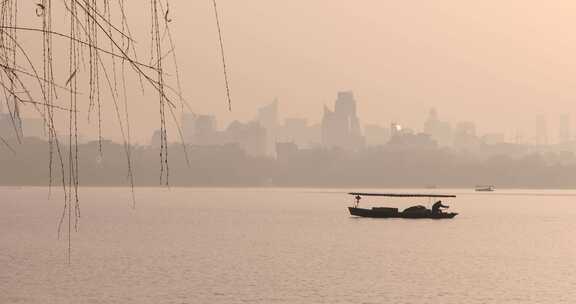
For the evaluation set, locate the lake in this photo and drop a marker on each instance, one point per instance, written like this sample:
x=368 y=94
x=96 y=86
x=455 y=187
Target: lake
x=286 y=246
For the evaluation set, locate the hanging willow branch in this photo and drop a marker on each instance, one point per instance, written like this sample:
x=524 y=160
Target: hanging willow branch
x=101 y=55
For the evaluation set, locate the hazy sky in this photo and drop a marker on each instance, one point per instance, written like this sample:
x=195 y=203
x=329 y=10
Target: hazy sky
x=499 y=63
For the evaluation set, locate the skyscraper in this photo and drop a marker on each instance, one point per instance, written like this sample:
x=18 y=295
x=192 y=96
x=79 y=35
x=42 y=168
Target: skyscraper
x=440 y=131
x=341 y=127
x=205 y=130
x=268 y=118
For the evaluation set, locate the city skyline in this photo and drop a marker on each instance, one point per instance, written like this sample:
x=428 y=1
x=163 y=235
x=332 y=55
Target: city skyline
x=297 y=151
x=399 y=59
x=542 y=130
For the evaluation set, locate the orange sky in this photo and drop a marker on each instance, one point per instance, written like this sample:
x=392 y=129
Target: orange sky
x=498 y=63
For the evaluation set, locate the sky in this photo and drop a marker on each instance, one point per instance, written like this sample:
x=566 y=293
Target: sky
x=497 y=63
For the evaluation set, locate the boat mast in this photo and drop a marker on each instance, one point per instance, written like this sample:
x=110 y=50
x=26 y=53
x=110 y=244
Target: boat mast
x=358 y=197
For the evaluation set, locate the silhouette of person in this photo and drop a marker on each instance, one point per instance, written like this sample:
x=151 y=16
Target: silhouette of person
x=436 y=208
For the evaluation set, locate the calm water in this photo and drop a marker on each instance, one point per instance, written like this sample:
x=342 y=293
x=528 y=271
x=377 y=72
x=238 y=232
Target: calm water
x=286 y=246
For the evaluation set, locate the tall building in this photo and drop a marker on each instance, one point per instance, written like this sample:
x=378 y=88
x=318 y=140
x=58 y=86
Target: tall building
x=205 y=132
x=267 y=117
x=440 y=131
x=200 y=129
x=341 y=127
x=251 y=137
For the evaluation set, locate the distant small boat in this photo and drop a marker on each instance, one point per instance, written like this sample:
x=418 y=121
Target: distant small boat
x=415 y=212
x=485 y=188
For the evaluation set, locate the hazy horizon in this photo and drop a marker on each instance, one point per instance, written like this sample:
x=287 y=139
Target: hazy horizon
x=470 y=203
x=497 y=63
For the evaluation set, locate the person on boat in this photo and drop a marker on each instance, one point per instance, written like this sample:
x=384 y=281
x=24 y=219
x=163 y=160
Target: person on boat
x=437 y=207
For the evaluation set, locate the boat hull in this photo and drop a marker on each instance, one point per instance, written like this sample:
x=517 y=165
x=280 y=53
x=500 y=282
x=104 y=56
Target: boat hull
x=375 y=213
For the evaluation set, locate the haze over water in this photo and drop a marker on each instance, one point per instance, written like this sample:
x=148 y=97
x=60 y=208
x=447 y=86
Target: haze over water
x=286 y=246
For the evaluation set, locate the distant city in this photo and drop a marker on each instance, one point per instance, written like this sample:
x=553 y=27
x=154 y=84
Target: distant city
x=341 y=128
x=337 y=152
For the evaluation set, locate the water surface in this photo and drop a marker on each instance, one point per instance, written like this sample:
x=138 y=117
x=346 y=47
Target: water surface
x=286 y=246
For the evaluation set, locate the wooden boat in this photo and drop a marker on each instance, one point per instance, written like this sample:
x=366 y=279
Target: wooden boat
x=485 y=188
x=415 y=212
x=374 y=212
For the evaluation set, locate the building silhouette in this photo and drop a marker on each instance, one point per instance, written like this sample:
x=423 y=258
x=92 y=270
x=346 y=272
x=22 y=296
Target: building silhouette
x=465 y=136
x=299 y=132
x=541 y=132
x=188 y=125
x=205 y=130
x=267 y=117
x=376 y=135
x=493 y=138
x=341 y=127
x=251 y=137
x=438 y=130
x=200 y=129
